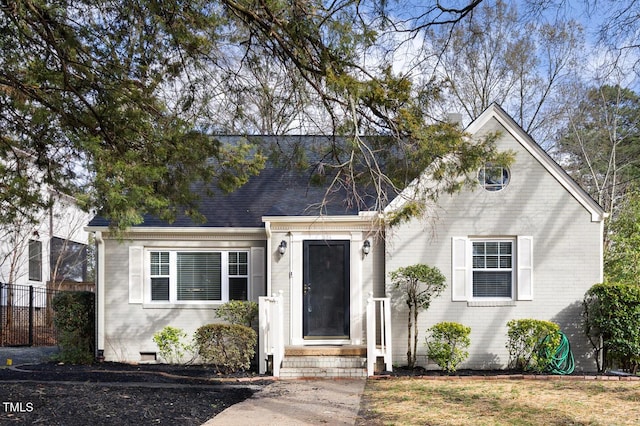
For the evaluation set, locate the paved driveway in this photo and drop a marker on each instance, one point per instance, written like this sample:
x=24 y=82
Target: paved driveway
x=26 y=355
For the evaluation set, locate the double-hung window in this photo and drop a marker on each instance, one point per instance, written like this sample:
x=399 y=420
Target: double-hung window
x=198 y=276
x=492 y=270
x=159 y=275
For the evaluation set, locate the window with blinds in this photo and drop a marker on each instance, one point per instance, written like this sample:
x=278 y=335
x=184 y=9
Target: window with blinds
x=198 y=276
x=493 y=269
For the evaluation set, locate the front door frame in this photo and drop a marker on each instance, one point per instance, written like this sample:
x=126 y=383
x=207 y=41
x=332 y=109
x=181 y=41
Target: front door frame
x=356 y=313
x=310 y=284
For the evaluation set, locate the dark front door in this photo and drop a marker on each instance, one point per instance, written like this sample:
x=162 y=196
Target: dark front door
x=325 y=307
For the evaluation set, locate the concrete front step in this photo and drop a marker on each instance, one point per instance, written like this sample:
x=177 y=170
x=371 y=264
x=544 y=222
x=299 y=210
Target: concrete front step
x=327 y=372
x=324 y=361
x=326 y=350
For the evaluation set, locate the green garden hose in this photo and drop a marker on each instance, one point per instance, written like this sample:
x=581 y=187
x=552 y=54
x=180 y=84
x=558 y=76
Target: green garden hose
x=561 y=362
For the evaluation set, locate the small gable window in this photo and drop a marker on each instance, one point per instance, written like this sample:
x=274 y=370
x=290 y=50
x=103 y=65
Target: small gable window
x=493 y=178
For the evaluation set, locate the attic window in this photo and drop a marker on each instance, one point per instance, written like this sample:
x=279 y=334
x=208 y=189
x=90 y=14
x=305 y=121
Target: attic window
x=493 y=178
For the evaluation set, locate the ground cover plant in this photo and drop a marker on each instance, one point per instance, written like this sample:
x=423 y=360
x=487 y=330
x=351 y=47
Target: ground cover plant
x=411 y=401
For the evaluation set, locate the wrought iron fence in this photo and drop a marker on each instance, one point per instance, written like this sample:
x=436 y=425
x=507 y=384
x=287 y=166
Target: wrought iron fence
x=26 y=316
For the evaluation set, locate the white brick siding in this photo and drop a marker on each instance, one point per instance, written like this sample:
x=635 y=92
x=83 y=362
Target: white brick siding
x=567 y=258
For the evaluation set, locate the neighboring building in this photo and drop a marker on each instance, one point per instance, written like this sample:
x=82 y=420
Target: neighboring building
x=51 y=251
x=527 y=245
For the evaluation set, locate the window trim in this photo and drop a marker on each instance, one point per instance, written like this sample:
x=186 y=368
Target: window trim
x=71 y=257
x=461 y=275
x=173 y=271
x=35 y=260
x=494 y=187
x=513 y=269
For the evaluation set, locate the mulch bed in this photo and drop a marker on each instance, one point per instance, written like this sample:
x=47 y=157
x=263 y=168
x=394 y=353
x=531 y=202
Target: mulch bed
x=119 y=394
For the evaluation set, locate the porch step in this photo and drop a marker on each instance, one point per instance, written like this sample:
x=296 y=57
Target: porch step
x=324 y=361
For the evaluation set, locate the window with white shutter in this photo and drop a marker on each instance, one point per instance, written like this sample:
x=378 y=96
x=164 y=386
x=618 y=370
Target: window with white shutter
x=492 y=268
x=197 y=276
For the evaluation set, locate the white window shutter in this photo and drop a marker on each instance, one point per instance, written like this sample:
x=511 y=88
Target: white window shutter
x=257 y=288
x=460 y=264
x=136 y=264
x=525 y=268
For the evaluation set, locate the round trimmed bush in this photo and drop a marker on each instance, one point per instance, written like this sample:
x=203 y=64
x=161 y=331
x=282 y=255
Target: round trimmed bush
x=229 y=347
x=448 y=345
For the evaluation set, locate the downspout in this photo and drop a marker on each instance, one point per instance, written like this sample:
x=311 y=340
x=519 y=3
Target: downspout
x=267 y=228
x=99 y=284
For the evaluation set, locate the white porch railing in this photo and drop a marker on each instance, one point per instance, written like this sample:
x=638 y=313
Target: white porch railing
x=379 y=333
x=271 y=334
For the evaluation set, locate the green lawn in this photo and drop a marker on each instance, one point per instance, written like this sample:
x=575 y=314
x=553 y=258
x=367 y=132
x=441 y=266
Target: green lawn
x=415 y=401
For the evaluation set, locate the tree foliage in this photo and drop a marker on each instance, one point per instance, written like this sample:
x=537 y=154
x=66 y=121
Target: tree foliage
x=418 y=285
x=133 y=90
x=622 y=257
x=600 y=143
x=498 y=56
x=74 y=321
x=611 y=314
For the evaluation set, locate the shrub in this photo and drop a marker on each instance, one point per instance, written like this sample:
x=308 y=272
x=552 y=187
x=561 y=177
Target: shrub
x=532 y=343
x=229 y=347
x=170 y=345
x=74 y=321
x=612 y=316
x=238 y=312
x=447 y=345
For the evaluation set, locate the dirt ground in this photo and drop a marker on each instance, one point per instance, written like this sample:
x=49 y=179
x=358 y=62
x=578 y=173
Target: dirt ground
x=118 y=394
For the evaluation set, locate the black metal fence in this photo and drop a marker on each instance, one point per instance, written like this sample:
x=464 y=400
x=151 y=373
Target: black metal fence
x=26 y=316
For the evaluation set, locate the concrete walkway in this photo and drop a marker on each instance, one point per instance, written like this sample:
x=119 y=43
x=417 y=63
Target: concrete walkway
x=297 y=402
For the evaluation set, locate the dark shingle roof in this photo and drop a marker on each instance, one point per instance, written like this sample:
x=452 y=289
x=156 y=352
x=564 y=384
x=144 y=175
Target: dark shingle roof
x=273 y=192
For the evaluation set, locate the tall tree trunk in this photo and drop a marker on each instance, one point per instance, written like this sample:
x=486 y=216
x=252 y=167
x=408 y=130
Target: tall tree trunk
x=415 y=335
x=410 y=361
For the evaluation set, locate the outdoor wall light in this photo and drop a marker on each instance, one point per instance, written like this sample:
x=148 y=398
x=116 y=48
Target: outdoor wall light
x=282 y=247
x=366 y=247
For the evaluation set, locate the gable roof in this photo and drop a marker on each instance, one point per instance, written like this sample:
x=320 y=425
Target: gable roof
x=494 y=111
x=287 y=193
x=273 y=192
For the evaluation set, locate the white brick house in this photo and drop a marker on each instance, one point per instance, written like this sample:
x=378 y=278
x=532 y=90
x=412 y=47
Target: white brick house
x=526 y=243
